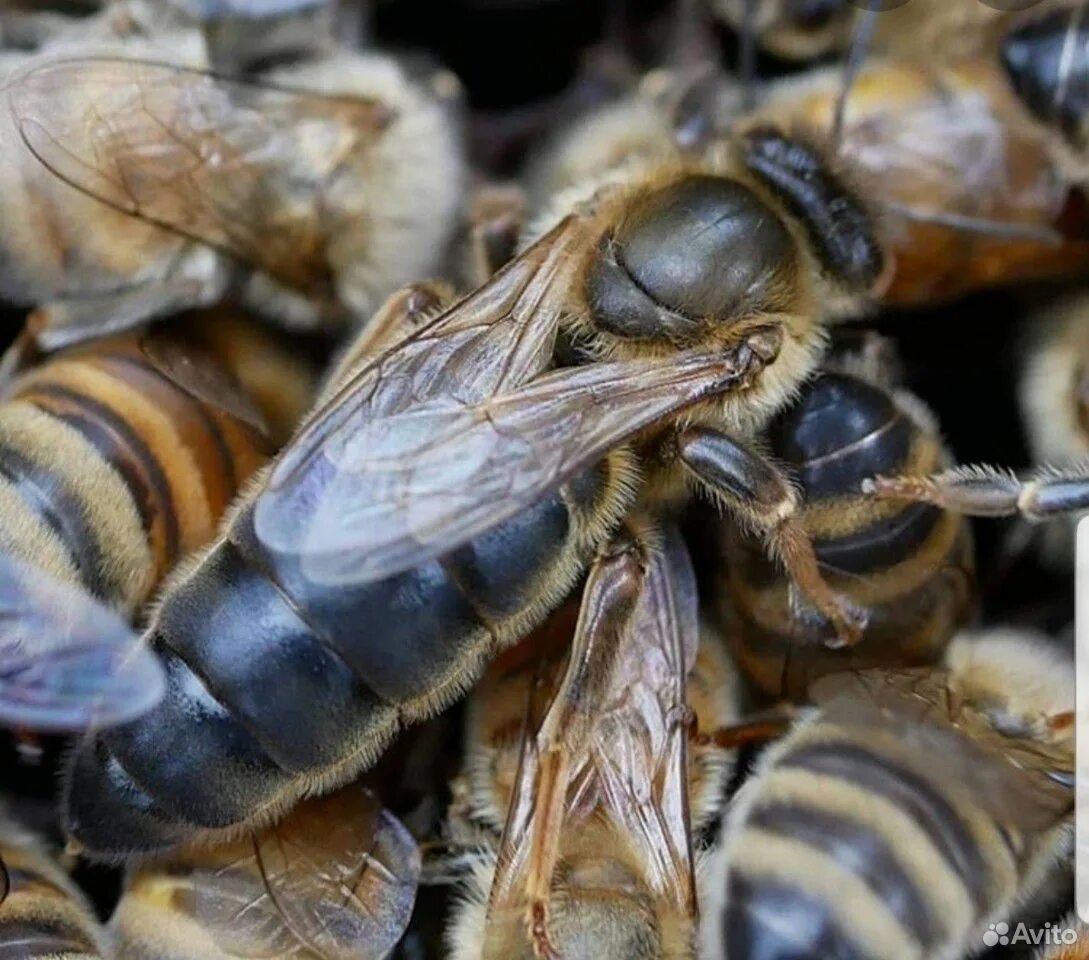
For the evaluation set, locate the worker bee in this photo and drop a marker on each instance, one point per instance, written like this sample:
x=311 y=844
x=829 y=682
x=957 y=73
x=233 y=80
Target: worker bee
x=450 y=493
x=912 y=810
x=971 y=192
x=582 y=807
x=1046 y=58
x=923 y=30
x=119 y=457
x=135 y=189
x=1054 y=398
x=910 y=567
x=43 y=914
x=336 y=878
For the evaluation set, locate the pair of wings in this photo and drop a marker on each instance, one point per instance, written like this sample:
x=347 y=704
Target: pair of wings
x=463 y=425
x=1020 y=782
x=335 y=880
x=237 y=165
x=631 y=770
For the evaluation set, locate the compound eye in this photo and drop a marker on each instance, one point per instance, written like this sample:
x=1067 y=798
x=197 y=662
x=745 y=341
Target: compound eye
x=704 y=247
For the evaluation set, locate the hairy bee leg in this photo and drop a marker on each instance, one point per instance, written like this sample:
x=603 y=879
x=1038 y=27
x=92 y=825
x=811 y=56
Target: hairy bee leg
x=983 y=491
x=497 y=217
x=609 y=599
x=761 y=496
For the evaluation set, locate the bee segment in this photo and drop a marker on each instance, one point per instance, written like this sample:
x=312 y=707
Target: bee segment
x=696 y=253
x=1047 y=61
x=839 y=228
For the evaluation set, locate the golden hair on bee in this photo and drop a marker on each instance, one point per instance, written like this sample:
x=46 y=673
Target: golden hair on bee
x=44 y=915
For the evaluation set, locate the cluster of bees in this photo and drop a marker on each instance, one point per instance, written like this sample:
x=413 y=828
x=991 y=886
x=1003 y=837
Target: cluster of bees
x=334 y=469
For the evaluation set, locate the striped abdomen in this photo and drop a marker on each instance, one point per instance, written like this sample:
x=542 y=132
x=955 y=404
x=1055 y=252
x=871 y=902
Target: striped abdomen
x=44 y=916
x=910 y=567
x=110 y=471
x=847 y=844
x=277 y=685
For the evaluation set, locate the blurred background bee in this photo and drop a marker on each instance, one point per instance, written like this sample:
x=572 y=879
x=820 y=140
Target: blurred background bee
x=137 y=189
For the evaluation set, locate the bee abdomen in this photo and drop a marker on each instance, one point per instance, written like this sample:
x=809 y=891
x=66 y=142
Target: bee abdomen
x=252 y=649
x=114 y=471
x=849 y=842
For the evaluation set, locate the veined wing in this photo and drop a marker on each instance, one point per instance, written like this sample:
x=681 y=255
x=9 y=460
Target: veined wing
x=456 y=430
x=233 y=164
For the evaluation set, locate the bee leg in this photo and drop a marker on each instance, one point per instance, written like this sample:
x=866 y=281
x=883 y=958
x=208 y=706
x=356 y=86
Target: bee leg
x=496 y=219
x=762 y=498
x=984 y=491
x=531 y=838
x=766 y=725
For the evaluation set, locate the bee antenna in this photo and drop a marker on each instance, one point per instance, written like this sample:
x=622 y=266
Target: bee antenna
x=980 y=225
x=860 y=45
x=747 y=59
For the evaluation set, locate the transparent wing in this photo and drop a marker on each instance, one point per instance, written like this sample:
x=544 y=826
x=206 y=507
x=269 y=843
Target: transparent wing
x=67 y=662
x=233 y=164
x=1020 y=781
x=456 y=429
x=632 y=766
x=638 y=751
x=335 y=880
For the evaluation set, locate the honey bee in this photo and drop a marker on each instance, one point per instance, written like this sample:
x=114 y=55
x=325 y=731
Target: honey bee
x=451 y=492
x=43 y=914
x=118 y=458
x=1046 y=58
x=1054 y=398
x=971 y=191
x=910 y=567
x=336 y=878
x=135 y=189
x=600 y=859
x=913 y=809
x=923 y=30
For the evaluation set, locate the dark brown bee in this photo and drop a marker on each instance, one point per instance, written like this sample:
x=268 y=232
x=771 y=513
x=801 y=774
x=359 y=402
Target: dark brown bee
x=43 y=916
x=452 y=490
x=912 y=810
x=910 y=567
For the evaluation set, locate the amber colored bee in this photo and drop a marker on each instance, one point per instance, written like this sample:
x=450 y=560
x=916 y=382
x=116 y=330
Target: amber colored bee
x=911 y=567
x=615 y=869
x=452 y=489
x=971 y=191
x=133 y=189
x=336 y=878
x=43 y=916
x=913 y=810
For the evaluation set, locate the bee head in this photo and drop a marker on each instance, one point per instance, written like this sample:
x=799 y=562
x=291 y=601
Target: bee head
x=697 y=252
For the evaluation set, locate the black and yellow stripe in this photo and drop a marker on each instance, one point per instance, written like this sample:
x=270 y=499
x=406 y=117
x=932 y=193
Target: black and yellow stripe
x=909 y=566
x=110 y=471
